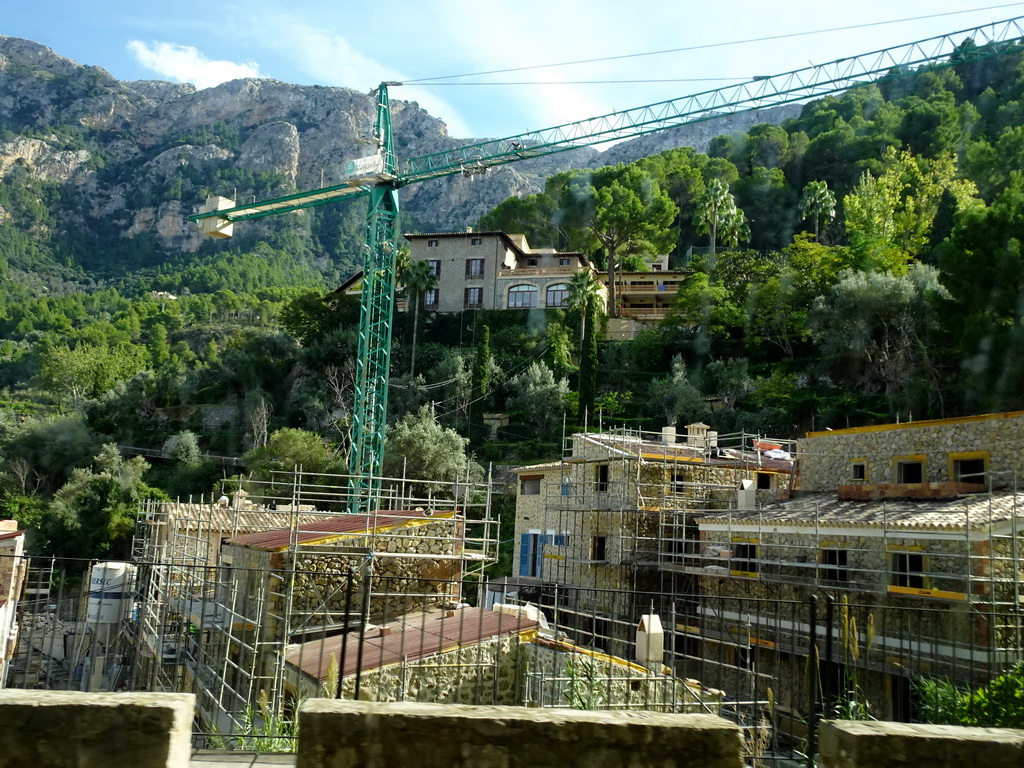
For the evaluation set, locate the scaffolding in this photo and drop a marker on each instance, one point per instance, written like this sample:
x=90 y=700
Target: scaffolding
x=226 y=586
x=605 y=521
x=708 y=530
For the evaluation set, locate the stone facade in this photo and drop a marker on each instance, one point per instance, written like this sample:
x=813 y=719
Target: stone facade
x=490 y=264
x=827 y=459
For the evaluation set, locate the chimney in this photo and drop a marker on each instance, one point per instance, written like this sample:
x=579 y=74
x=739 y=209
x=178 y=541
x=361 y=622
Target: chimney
x=650 y=642
x=469 y=230
x=668 y=435
x=746 y=496
x=696 y=435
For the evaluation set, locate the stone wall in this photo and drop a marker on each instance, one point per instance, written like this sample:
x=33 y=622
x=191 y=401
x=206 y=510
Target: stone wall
x=854 y=744
x=429 y=576
x=51 y=729
x=826 y=458
x=345 y=734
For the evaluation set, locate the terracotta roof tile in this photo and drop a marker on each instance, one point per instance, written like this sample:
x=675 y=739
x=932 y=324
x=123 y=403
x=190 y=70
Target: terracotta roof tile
x=978 y=511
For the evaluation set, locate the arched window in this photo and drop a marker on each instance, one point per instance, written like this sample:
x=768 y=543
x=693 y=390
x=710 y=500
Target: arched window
x=522 y=296
x=558 y=295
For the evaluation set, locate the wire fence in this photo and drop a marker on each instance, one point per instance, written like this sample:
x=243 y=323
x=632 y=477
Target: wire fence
x=251 y=651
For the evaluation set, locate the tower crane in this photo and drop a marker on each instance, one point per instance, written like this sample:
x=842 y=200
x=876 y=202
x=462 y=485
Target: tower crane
x=379 y=176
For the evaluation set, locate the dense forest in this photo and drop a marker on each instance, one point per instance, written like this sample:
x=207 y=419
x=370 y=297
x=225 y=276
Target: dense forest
x=860 y=263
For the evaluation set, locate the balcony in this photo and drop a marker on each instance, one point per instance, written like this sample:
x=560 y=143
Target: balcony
x=538 y=272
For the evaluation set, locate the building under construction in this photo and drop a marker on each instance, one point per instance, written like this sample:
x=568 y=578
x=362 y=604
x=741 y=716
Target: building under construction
x=887 y=554
x=225 y=588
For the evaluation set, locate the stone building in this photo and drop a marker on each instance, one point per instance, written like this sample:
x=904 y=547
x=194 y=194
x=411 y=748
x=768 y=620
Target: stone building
x=913 y=531
x=494 y=270
x=476 y=656
x=13 y=569
x=606 y=523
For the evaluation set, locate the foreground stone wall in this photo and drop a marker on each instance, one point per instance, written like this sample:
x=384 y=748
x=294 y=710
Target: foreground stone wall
x=900 y=745
x=51 y=729
x=346 y=734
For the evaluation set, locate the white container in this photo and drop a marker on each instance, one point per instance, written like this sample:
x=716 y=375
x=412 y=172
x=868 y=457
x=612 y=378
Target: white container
x=110 y=586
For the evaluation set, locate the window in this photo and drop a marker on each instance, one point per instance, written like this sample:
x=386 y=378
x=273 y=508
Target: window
x=908 y=570
x=476 y=241
x=474 y=298
x=909 y=471
x=529 y=486
x=599 y=549
x=656 y=267
x=764 y=481
x=969 y=467
x=430 y=298
x=432 y=243
x=833 y=565
x=557 y=296
x=522 y=296
x=566 y=487
x=744 y=559
x=859 y=471
x=435 y=266
x=601 y=478
x=531 y=262
x=474 y=268
x=563 y=262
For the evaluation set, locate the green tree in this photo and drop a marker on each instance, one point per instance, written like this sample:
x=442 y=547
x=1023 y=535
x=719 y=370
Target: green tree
x=716 y=211
x=418 y=278
x=674 y=395
x=418 y=447
x=818 y=204
x=875 y=329
x=631 y=211
x=94 y=512
x=585 y=301
x=288 y=449
x=539 y=397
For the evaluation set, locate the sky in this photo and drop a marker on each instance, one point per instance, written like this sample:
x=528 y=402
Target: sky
x=359 y=44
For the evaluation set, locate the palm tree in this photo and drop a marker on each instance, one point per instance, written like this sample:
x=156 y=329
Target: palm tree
x=418 y=279
x=585 y=298
x=734 y=227
x=714 y=208
x=818 y=202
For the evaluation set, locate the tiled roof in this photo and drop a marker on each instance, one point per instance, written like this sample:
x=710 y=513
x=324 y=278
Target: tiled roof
x=231 y=521
x=415 y=636
x=331 y=528
x=539 y=467
x=977 y=511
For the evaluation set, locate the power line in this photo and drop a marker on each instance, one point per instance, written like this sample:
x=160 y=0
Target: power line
x=706 y=46
x=605 y=82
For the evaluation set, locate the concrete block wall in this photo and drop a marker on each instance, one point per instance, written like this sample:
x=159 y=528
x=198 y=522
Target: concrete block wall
x=346 y=734
x=56 y=729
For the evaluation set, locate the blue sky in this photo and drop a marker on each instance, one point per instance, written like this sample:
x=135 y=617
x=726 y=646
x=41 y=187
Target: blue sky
x=358 y=44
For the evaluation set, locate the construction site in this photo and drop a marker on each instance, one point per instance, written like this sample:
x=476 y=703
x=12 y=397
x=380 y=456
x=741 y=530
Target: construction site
x=684 y=573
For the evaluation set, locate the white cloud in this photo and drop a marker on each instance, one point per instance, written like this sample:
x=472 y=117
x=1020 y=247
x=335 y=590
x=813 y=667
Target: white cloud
x=187 y=64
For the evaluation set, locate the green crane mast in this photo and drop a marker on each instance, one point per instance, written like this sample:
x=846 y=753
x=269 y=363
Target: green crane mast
x=379 y=176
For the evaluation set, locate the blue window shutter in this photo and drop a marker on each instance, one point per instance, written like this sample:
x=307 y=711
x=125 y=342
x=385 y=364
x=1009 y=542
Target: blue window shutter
x=524 y=554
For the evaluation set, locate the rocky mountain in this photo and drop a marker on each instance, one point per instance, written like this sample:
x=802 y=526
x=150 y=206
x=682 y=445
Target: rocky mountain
x=119 y=165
